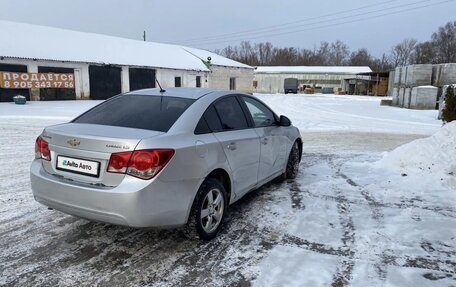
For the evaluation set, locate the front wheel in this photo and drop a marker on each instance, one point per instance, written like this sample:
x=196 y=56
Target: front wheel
x=208 y=211
x=292 y=168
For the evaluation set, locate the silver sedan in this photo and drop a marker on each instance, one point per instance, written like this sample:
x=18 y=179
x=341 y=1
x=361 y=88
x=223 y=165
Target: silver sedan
x=155 y=158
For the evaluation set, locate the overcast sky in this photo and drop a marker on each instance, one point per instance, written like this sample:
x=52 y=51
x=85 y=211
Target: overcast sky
x=213 y=24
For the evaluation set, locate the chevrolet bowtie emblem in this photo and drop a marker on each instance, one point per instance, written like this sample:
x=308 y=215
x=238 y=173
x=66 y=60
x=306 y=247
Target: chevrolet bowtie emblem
x=74 y=142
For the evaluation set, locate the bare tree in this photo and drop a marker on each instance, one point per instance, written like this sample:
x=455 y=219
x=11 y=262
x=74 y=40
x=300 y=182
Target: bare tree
x=401 y=54
x=307 y=58
x=264 y=53
x=247 y=53
x=441 y=49
x=424 y=53
x=338 y=53
x=382 y=64
x=444 y=41
x=285 y=56
x=229 y=52
x=385 y=63
x=362 y=57
x=322 y=54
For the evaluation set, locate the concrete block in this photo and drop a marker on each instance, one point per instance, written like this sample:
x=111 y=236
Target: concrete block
x=401 y=93
x=395 y=96
x=407 y=97
x=386 y=102
x=444 y=74
x=424 y=98
x=436 y=70
x=403 y=76
x=400 y=97
x=418 y=75
x=397 y=76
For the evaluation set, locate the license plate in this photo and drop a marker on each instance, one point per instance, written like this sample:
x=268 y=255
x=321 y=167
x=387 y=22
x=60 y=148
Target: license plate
x=76 y=165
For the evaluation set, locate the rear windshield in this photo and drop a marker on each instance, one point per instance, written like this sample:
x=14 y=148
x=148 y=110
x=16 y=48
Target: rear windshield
x=137 y=111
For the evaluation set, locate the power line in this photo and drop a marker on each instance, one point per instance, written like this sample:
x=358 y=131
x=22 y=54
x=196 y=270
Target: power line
x=264 y=34
x=287 y=24
x=315 y=23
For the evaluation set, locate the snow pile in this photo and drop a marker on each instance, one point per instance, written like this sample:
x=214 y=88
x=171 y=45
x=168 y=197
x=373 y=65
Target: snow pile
x=432 y=156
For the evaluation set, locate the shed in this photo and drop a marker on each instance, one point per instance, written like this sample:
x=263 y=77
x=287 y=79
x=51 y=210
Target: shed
x=270 y=79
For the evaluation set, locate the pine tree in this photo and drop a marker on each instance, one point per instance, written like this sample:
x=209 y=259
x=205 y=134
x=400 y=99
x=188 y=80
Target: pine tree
x=449 y=111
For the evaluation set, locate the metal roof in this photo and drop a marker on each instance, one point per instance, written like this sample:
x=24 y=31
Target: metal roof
x=346 y=70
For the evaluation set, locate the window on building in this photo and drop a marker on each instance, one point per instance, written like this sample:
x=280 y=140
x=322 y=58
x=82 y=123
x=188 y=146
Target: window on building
x=232 y=83
x=198 y=81
x=177 y=82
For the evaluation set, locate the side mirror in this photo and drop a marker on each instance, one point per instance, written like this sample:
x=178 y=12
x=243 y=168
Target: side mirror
x=284 y=121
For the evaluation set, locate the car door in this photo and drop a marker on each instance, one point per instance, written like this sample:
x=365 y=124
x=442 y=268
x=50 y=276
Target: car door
x=240 y=143
x=273 y=142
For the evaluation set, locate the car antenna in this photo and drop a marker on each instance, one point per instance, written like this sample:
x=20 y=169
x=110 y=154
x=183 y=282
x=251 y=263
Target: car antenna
x=161 y=89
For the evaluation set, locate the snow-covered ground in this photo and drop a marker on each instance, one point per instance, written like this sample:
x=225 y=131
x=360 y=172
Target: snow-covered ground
x=359 y=214
x=350 y=113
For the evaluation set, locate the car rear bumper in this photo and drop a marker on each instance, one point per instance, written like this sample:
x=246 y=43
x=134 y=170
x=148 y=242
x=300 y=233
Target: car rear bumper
x=134 y=203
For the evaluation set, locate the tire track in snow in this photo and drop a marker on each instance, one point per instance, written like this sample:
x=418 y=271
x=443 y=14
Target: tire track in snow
x=378 y=217
x=346 y=264
x=382 y=258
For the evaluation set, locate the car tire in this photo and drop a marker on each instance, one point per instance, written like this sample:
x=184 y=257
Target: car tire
x=208 y=211
x=291 y=171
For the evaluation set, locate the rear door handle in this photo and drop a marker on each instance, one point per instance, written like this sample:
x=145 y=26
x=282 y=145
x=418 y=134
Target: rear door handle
x=264 y=141
x=231 y=146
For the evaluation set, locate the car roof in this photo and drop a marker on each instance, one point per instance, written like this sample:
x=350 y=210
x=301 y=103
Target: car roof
x=189 y=93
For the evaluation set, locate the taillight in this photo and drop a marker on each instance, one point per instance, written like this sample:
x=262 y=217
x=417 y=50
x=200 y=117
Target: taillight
x=144 y=164
x=42 y=149
x=118 y=162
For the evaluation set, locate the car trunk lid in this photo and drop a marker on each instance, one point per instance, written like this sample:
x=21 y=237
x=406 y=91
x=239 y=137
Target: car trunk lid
x=81 y=152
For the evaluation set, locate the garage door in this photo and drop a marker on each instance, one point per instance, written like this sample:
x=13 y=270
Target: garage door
x=56 y=94
x=6 y=95
x=105 y=82
x=141 y=78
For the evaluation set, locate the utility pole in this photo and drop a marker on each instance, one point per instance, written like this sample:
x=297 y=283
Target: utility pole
x=144 y=35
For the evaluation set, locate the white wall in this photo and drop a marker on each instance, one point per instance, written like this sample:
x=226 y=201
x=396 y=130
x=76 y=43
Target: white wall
x=220 y=78
x=188 y=78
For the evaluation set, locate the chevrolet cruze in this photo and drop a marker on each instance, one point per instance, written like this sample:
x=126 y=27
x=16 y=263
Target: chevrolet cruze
x=155 y=158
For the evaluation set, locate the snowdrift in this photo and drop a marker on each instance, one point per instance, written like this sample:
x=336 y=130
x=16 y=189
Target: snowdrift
x=432 y=156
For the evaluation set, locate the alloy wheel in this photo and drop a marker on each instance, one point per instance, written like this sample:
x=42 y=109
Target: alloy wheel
x=212 y=210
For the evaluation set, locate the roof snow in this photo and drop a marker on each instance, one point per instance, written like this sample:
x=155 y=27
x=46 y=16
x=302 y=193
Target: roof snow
x=215 y=58
x=28 y=41
x=346 y=70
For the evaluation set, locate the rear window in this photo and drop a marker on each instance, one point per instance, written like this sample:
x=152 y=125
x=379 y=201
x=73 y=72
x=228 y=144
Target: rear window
x=137 y=111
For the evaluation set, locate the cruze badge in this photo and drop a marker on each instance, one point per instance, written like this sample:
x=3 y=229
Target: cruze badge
x=74 y=142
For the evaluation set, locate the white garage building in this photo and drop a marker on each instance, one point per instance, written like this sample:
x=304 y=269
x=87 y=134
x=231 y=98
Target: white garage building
x=98 y=66
x=270 y=79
